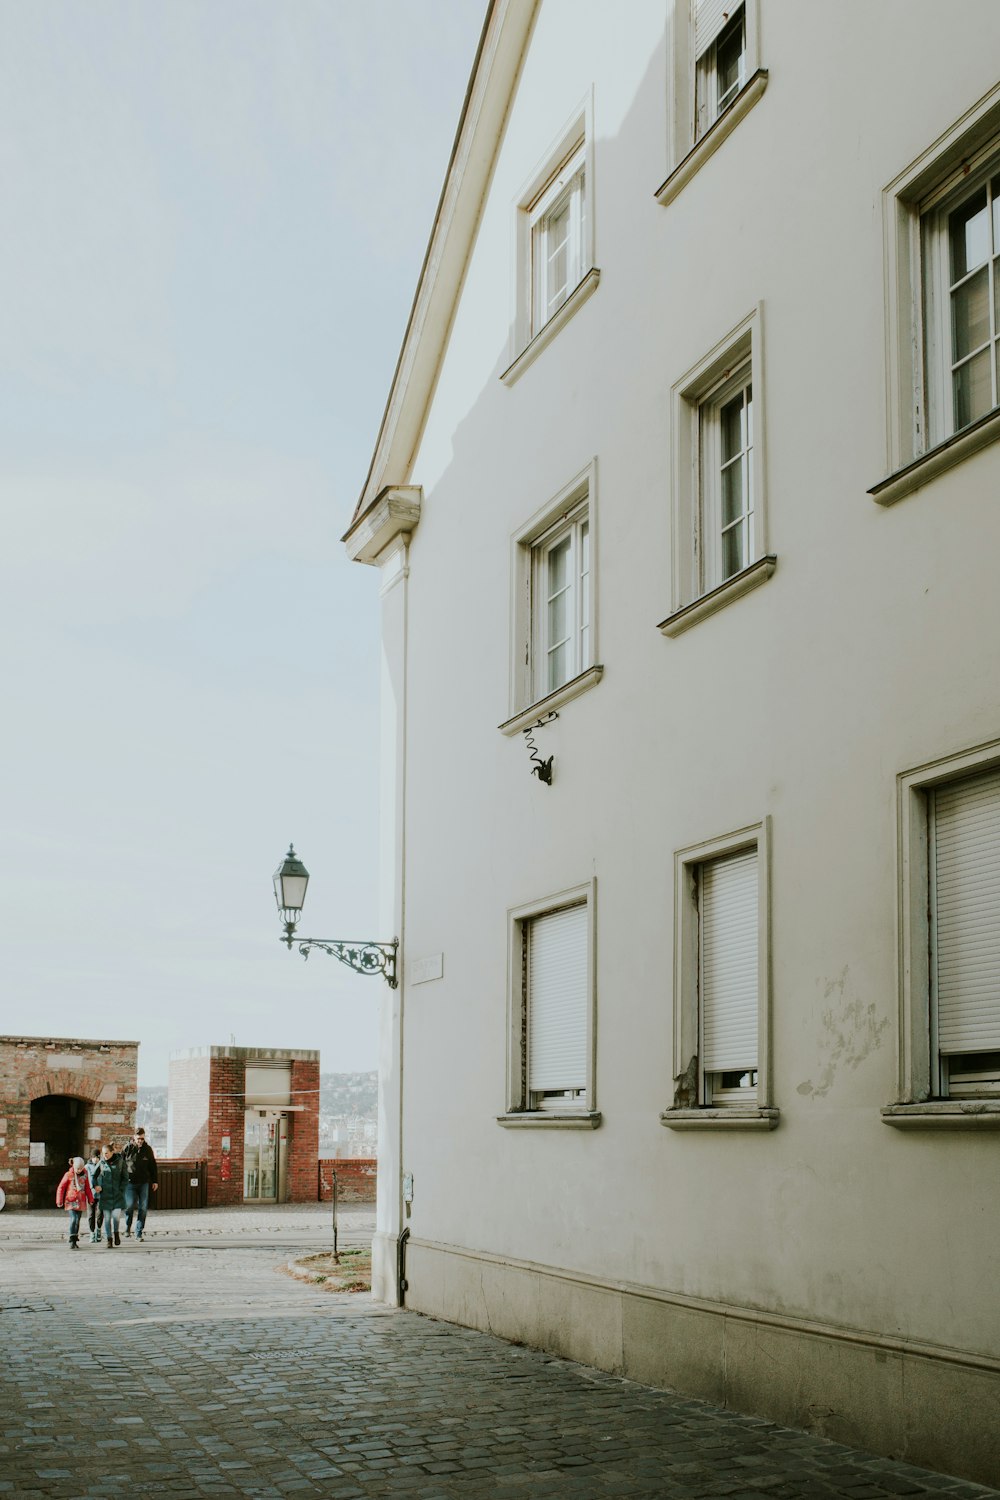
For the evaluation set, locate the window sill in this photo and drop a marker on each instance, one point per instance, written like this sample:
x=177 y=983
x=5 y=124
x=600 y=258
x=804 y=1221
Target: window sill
x=577 y=297
x=733 y=588
x=713 y=138
x=572 y=689
x=550 y=1119
x=944 y=1114
x=913 y=476
x=737 y=1118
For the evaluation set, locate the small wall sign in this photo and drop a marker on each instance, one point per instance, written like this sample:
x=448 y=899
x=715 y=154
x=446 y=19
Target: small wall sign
x=422 y=970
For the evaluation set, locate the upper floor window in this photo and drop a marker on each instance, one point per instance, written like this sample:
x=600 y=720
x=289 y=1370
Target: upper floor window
x=553 y=633
x=942 y=299
x=714 y=79
x=554 y=272
x=558 y=239
x=561 y=601
x=720 y=68
x=718 y=507
x=727 y=508
x=962 y=299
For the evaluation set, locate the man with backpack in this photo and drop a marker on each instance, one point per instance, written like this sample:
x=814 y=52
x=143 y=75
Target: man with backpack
x=141 y=1176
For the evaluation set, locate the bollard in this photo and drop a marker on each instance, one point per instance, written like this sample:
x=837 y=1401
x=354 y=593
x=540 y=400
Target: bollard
x=336 y=1256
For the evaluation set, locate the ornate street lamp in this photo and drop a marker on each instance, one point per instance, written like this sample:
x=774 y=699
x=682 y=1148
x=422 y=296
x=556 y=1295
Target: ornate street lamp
x=290 y=881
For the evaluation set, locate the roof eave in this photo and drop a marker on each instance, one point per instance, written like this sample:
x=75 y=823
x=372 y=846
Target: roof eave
x=491 y=86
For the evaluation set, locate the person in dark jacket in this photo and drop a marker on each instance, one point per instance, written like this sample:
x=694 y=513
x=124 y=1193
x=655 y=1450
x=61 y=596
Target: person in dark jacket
x=110 y=1185
x=141 y=1173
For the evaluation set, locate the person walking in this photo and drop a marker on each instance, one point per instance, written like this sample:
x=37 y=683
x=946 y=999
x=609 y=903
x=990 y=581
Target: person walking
x=75 y=1194
x=110 y=1185
x=140 y=1167
x=94 y=1216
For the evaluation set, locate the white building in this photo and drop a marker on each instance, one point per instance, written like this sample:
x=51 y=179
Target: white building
x=694 y=1069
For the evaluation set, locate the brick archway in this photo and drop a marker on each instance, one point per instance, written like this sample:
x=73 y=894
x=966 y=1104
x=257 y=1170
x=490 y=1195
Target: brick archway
x=65 y=1081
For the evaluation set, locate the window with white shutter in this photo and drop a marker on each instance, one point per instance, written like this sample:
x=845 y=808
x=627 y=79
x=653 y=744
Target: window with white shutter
x=728 y=1001
x=714 y=80
x=556 y=963
x=722 y=1064
x=551 y=1008
x=949 y=972
x=964 y=888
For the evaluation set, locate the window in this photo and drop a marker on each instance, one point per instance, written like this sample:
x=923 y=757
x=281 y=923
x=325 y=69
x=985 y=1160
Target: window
x=553 y=631
x=942 y=221
x=551 y=1072
x=950 y=1054
x=721 y=985
x=715 y=79
x=558 y=239
x=554 y=249
x=720 y=66
x=560 y=567
x=727 y=520
x=719 y=541
x=961 y=245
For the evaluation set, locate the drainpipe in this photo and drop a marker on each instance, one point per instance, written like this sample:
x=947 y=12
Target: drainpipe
x=401 y=1282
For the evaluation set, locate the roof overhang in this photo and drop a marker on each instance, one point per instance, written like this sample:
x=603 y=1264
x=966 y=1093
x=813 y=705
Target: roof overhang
x=491 y=87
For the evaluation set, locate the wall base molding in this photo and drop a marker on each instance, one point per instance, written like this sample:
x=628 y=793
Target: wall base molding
x=923 y=1403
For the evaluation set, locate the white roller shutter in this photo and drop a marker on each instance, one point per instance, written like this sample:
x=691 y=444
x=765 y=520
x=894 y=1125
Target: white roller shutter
x=557 y=1000
x=728 y=942
x=709 y=19
x=966 y=913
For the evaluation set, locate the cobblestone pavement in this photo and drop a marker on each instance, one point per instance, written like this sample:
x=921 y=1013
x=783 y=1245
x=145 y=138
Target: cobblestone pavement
x=186 y=1366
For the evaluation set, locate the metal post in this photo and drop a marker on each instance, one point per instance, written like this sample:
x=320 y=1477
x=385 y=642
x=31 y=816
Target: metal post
x=336 y=1256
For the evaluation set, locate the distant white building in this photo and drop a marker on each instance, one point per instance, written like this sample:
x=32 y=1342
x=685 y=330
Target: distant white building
x=688 y=471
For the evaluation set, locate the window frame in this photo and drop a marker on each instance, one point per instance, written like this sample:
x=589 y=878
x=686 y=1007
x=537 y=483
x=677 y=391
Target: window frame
x=691 y=1108
x=521 y=1109
x=697 y=591
x=527 y=693
x=690 y=141
x=917 y=1105
x=570 y=527
x=571 y=154
x=920 y=442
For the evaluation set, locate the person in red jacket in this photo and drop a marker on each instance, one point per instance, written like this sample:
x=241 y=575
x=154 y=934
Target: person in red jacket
x=75 y=1194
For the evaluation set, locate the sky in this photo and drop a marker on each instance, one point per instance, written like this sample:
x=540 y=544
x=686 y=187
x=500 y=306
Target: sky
x=212 y=219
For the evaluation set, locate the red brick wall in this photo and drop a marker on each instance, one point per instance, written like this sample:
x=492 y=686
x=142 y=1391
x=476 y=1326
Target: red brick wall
x=208 y=1103
x=226 y=1108
x=303 y=1133
x=99 y=1076
x=356 y=1178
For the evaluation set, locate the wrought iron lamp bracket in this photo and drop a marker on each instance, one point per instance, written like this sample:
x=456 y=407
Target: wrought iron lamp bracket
x=362 y=957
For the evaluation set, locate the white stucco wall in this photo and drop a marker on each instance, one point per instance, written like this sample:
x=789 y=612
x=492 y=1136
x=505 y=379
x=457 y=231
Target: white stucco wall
x=871 y=650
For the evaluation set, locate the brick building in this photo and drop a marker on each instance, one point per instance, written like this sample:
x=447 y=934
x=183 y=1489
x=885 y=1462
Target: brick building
x=59 y=1096
x=253 y=1114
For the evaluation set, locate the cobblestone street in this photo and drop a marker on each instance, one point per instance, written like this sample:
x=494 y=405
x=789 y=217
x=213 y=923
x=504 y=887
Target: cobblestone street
x=189 y=1366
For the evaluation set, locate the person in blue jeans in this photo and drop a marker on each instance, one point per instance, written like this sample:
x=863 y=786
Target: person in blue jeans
x=141 y=1175
x=94 y=1217
x=75 y=1194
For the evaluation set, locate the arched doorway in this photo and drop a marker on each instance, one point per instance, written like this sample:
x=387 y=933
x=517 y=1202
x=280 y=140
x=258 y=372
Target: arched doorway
x=56 y=1134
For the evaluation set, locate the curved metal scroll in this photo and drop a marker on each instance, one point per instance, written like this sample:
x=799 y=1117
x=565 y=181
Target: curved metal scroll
x=362 y=957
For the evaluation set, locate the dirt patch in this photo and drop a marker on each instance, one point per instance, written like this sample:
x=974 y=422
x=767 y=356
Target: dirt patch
x=351 y=1273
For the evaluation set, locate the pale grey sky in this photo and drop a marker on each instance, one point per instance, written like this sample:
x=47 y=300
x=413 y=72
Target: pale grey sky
x=212 y=218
